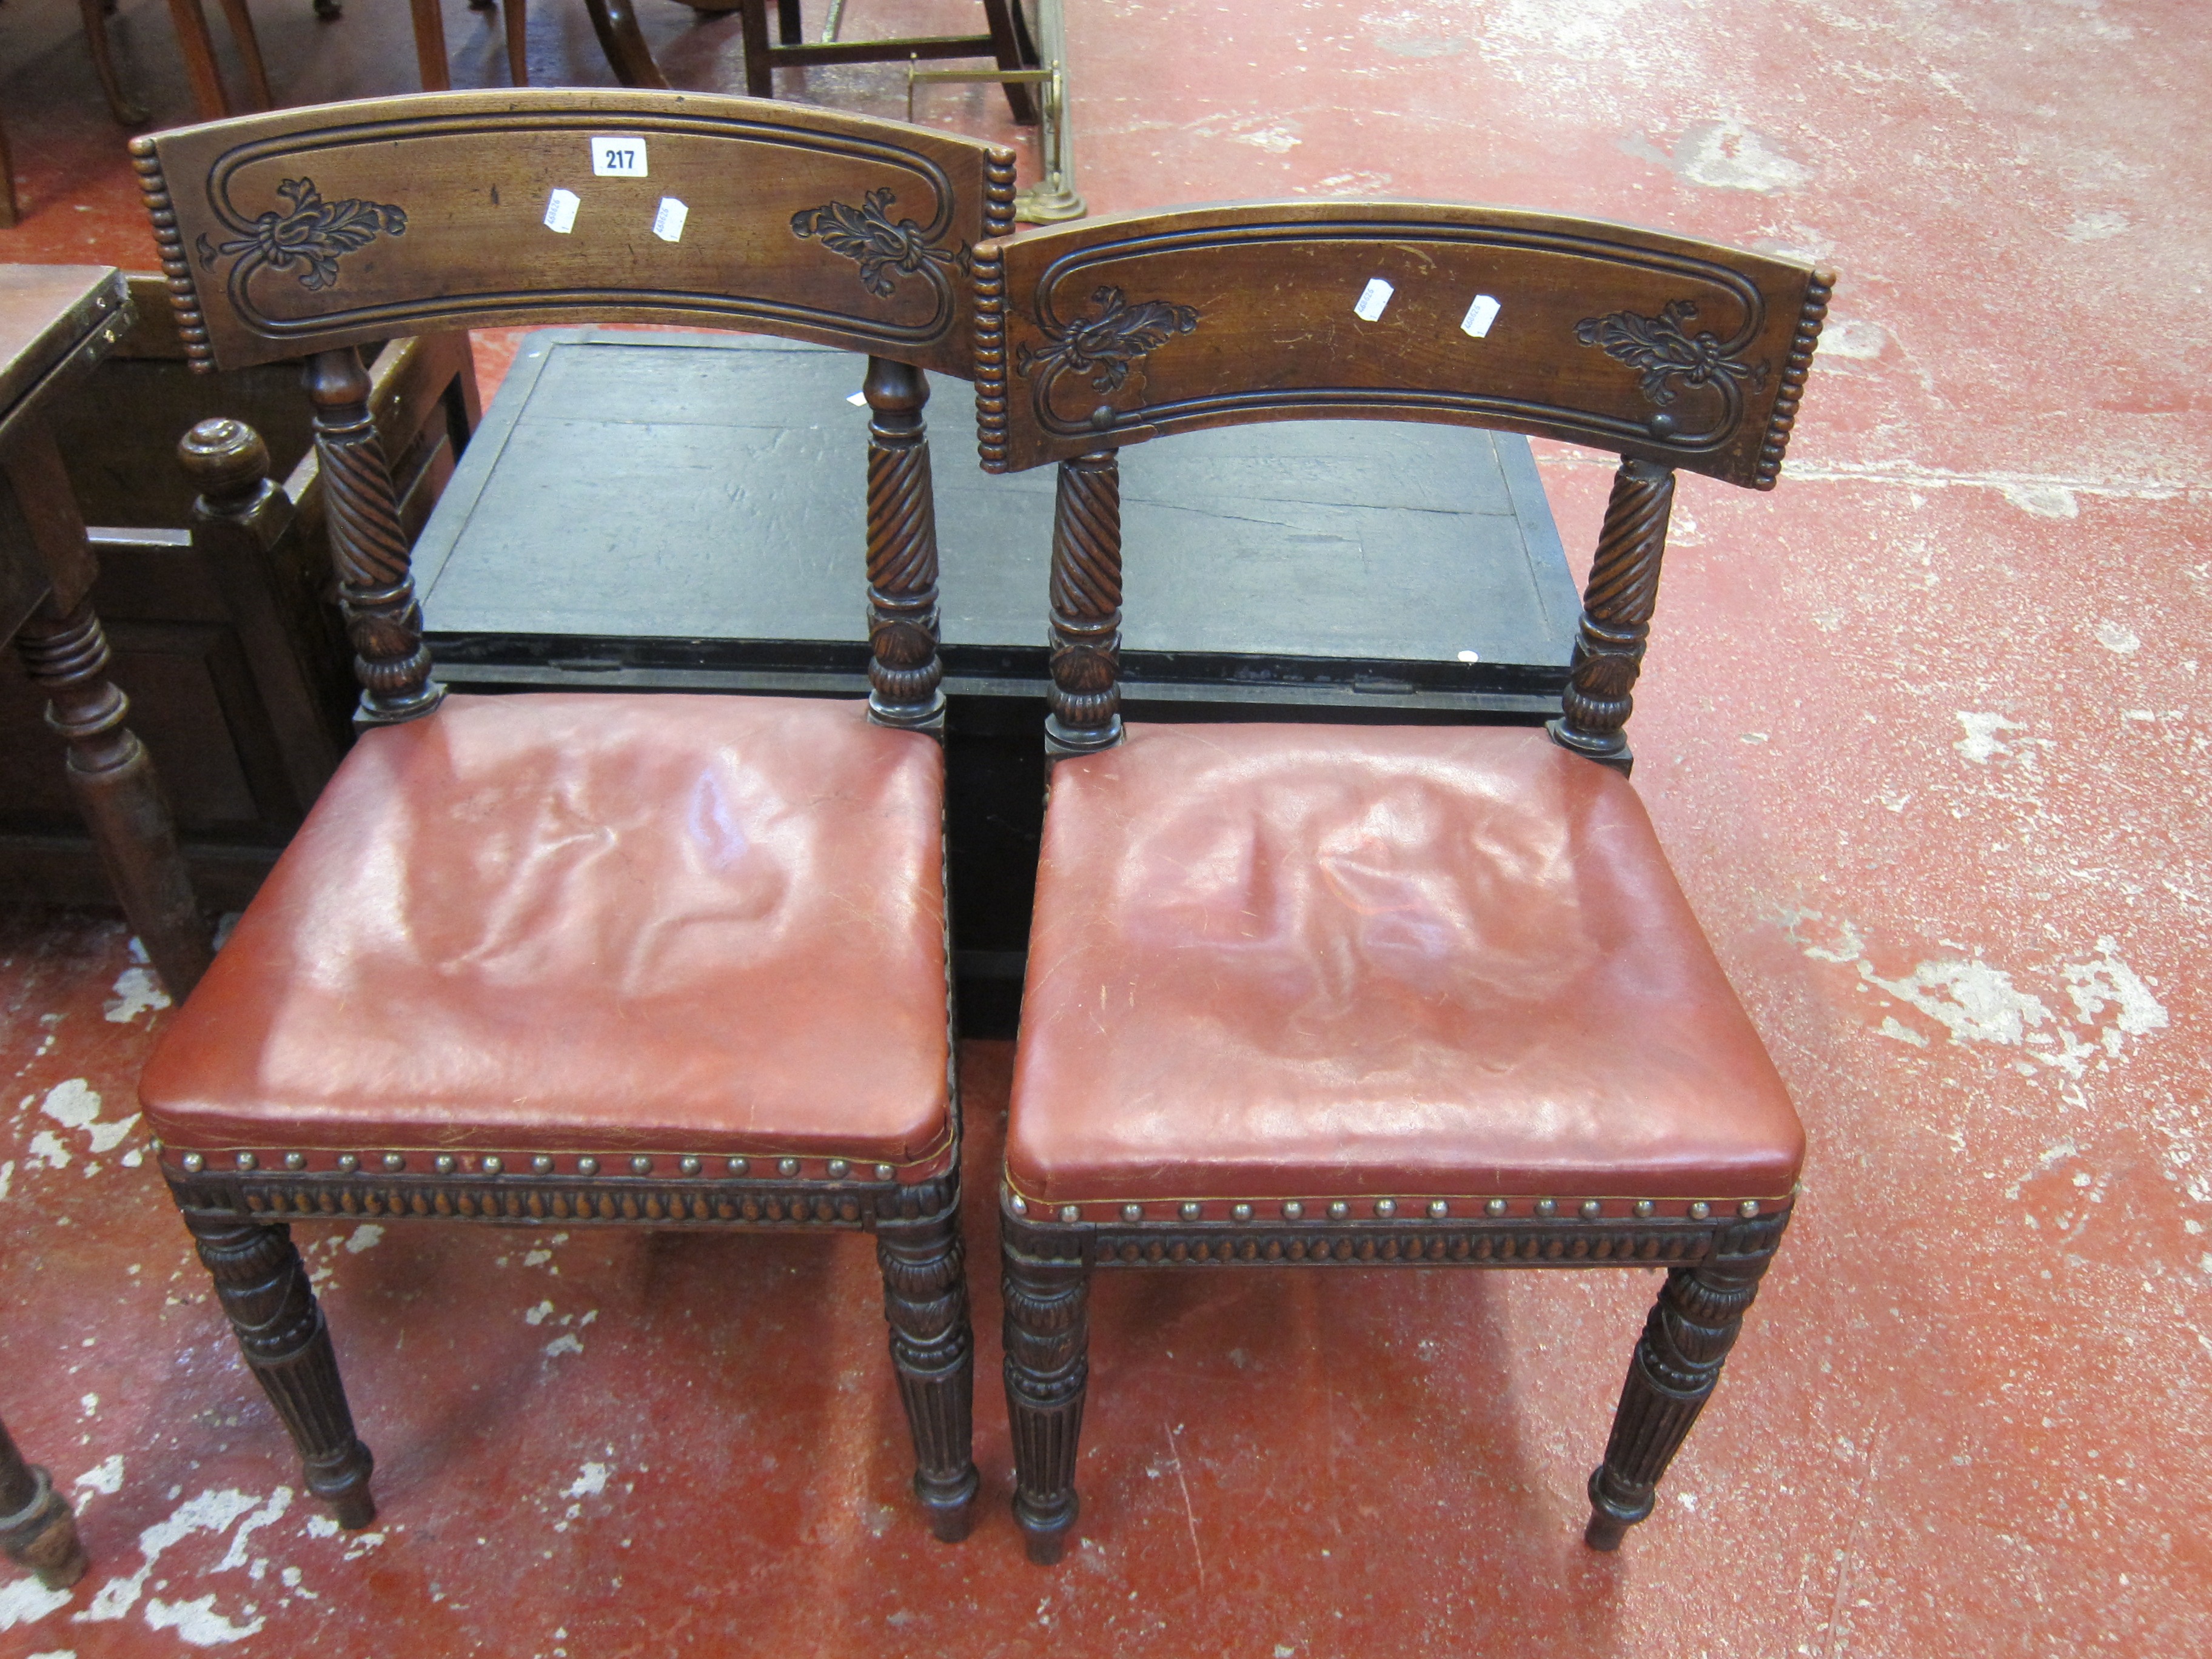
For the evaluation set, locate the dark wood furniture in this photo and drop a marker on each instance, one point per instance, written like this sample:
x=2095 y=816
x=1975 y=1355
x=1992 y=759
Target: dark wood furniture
x=1317 y=532
x=214 y=591
x=38 y=1529
x=56 y=322
x=1415 y=995
x=659 y=961
x=126 y=110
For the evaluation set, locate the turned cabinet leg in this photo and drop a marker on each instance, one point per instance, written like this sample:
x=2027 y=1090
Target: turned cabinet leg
x=37 y=1527
x=1048 y=1370
x=263 y=1285
x=933 y=1348
x=1686 y=1337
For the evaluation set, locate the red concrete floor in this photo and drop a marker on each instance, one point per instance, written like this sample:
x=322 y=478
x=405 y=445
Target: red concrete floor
x=1924 y=731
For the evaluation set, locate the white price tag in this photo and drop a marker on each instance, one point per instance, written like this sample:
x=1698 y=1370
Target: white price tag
x=560 y=211
x=1372 y=298
x=1480 y=316
x=618 y=157
x=668 y=222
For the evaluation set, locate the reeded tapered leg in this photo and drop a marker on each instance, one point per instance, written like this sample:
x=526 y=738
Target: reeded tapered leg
x=1689 y=1333
x=37 y=1527
x=264 y=1288
x=1048 y=1370
x=934 y=1347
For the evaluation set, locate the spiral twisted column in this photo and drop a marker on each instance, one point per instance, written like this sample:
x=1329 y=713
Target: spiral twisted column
x=905 y=677
x=1616 y=620
x=369 y=549
x=263 y=1285
x=1087 y=607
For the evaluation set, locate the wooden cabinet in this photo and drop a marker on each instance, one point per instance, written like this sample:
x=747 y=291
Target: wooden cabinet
x=224 y=632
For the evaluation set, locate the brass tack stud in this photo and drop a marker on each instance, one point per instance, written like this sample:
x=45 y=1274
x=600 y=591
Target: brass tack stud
x=491 y=1165
x=884 y=1172
x=1592 y=1209
x=690 y=1166
x=1070 y=1212
x=155 y=1143
x=838 y=1168
x=739 y=1166
x=1386 y=1207
x=587 y=1166
x=296 y=1160
x=445 y=1163
x=1021 y=1205
x=1643 y=1206
x=788 y=1166
x=1133 y=1213
x=1192 y=1211
x=542 y=1164
x=640 y=1164
x=1701 y=1210
x=1495 y=1206
x=1546 y=1207
x=393 y=1161
x=194 y=1164
x=347 y=1162
x=1439 y=1208
x=246 y=1160
x=1748 y=1208
x=1242 y=1212
x=1293 y=1210
x=1338 y=1209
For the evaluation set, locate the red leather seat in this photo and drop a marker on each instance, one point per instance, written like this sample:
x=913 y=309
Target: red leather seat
x=1299 y=963
x=572 y=925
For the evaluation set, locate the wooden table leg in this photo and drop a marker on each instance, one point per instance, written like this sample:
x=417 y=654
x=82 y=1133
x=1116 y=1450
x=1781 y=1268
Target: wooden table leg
x=37 y=1527
x=119 y=104
x=430 y=45
x=615 y=24
x=10 y=212
x=109 y=771
x=198 y=48
x=517 y=15
x=249 y=48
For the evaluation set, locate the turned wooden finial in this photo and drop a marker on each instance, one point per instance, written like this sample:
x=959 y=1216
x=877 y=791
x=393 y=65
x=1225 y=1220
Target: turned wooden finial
x=227 y=463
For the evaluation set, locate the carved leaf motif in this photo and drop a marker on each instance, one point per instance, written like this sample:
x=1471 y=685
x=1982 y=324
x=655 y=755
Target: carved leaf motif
x=866 y=235
x=1669 y=355
x=312 y=234
x=1118 y=336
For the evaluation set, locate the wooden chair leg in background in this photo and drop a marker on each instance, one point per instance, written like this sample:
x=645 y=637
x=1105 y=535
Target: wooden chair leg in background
x=198 y=46
x=1048 y=1373
x=12 y=211
x=1678 y=1360
x=263 y=1285
x=120 y=105
x=430 y=45
x=615 y=21
x=249 y=48
x=37 y=1527
x=933 y=1348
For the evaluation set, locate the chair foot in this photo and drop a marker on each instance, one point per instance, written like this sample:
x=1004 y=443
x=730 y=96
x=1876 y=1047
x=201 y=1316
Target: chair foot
x=42 y=1536
x=951 y=1509
x=1046 y=1533
x=1612 y=1512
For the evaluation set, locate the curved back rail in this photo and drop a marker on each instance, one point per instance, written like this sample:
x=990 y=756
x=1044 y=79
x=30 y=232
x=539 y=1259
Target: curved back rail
x=1671 y=353
x=314 y=231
